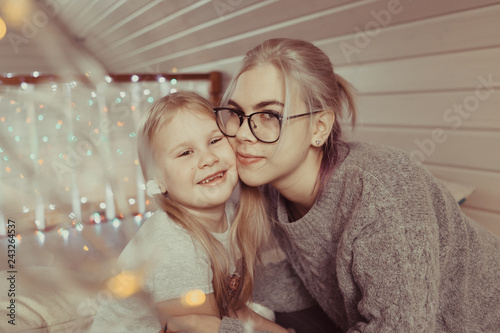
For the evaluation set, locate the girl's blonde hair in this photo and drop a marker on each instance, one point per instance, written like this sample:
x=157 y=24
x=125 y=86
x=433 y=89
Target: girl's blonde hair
x=247 y=233
x=308 y=71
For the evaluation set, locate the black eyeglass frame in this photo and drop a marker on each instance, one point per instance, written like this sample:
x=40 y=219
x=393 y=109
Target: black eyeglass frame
x=241 y=115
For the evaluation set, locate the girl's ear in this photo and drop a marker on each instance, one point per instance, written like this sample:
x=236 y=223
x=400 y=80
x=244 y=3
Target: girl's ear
x=323 y=124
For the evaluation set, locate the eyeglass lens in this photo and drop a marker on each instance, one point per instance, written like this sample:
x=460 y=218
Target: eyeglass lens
x=264 y=126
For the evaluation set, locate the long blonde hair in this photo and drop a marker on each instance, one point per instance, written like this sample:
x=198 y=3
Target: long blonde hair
x=307 y=70
x=247 y=233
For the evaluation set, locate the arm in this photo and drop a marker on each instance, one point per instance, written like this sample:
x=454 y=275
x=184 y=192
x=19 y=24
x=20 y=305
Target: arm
x=211 y=324
x=395 y=266
x=167 y=310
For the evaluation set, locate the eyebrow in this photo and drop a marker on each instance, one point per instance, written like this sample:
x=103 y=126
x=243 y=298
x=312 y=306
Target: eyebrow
x=259 y=105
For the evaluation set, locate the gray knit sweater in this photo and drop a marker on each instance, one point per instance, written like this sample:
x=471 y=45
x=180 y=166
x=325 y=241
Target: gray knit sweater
x=387 y=249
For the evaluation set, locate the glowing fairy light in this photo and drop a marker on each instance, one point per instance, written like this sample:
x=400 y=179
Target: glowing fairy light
x=25 y=209
x=194 y=297
x=124 y=284
x=83 y=200
x=123 y=94
x=9 y=75
x=45 y=139
x=116 y=223
x=147 y=92
x=85 y=248
x=161 y=79
x=173 y=90
x=97 y=217
x=93 y=94
x=63 y=233
x=52 y=207
x=135 y=78
x=24 y=85
x=102 y=205
x=40 y=117
x=36 y=74
x=108 y=79
x=3 y=28
x=41 y=237
x=173 y=82
x=79 y=227
x=131 y=201
x=151 y=99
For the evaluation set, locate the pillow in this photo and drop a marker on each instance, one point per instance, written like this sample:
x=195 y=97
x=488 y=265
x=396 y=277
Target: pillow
x=459 y=191
x=46 y=299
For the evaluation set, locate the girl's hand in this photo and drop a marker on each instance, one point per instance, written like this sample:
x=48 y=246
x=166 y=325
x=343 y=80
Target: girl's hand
x=193 y=324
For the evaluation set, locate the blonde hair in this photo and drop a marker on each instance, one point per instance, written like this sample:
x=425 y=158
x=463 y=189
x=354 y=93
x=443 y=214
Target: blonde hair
x=307 y=70
x=247 y=233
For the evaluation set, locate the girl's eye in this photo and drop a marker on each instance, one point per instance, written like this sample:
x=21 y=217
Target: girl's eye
x=214 y=141
x=185 y=153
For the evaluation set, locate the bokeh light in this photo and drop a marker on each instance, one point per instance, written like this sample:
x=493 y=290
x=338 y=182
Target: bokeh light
x=3 y=28
x=194 y=297
x=124 y=284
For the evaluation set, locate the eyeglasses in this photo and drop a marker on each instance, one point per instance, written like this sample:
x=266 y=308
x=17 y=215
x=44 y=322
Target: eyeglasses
x=265 y=125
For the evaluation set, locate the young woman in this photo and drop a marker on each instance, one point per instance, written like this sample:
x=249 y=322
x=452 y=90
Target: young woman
x=376 y=240
x=196 y=254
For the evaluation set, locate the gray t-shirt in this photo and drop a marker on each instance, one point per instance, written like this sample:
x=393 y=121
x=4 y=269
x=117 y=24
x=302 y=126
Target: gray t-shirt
x=170 y=264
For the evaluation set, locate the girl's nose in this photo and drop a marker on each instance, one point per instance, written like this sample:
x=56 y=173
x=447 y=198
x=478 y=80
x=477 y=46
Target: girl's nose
x=208 y=159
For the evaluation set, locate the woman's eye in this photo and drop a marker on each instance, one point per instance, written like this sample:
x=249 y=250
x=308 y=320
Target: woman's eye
x=269 y=114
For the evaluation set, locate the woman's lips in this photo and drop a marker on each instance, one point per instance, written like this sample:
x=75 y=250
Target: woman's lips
x=247 y=159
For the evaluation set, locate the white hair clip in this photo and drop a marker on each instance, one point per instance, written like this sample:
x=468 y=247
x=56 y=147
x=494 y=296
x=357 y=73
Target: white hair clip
x=152 y=188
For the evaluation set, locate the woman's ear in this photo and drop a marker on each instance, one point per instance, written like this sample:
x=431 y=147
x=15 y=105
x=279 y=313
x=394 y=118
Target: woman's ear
x=323 y=124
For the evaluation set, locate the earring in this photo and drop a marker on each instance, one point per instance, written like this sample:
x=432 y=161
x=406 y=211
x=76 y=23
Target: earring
x=318 y=142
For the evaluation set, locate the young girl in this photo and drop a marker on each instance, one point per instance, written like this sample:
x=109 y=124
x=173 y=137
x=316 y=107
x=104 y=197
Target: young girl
x=378 y=242
x=196 y=254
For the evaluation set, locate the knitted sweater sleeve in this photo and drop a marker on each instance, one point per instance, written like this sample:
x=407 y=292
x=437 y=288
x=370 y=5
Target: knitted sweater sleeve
x=231 y=325
x=395 y=266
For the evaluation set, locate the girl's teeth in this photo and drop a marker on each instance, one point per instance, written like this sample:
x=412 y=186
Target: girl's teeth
x=212 y=178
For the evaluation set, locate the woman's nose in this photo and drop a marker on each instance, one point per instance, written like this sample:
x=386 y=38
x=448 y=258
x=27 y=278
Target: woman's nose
x=244 y=133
